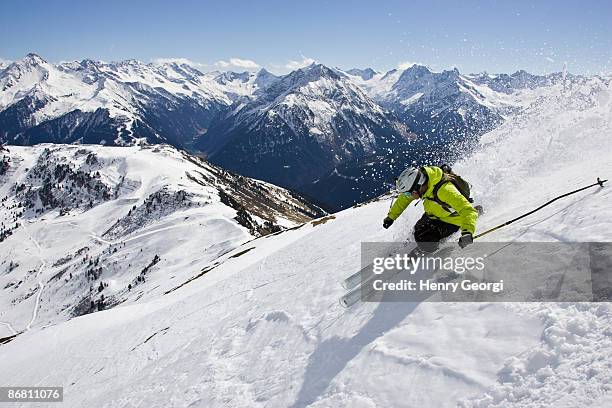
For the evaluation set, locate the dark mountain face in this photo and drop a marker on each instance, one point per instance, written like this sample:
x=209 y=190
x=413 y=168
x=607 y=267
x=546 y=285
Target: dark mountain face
x=444 y=114
x=82 y=127
x=362 y=178
x=300 y=128
x=290 y=156
x=17 y=118
x=174 y=119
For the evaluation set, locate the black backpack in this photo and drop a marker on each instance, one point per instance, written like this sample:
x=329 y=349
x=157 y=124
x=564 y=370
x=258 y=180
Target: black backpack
x=449 y=177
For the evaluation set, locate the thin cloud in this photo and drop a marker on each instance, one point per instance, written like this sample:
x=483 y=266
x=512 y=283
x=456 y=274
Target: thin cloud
x=238 y=63
x=293 y=65
x=4 y=62
x=178 y=61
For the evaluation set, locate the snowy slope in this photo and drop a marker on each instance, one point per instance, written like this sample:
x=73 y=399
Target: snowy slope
x=84 y=222
x=262 y=327
x=557 y=145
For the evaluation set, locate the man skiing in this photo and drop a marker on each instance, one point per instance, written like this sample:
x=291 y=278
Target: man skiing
x=447 y=209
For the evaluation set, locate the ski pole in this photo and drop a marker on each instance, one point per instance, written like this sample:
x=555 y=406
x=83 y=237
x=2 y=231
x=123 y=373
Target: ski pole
x=599 y=183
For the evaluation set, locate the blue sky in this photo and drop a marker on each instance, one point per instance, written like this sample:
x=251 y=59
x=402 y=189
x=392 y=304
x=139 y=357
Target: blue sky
x=496 y=36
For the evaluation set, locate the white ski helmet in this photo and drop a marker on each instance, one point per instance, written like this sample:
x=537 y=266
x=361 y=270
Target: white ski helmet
x=410 y=180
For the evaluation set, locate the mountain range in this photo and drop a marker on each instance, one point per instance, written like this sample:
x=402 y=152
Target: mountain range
x=336 y=136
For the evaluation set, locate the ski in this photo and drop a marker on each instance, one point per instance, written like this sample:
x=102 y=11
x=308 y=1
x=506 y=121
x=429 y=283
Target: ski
x=355 y=279
x=350 y=298
x=355 y=284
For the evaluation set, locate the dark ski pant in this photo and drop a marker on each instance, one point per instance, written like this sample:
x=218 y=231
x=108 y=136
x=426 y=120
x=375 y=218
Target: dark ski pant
x=428 y=232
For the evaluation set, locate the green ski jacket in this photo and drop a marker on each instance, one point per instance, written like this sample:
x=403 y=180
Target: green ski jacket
x=464 y=214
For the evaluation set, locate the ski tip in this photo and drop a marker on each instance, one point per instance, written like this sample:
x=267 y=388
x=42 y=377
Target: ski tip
x=343 y=302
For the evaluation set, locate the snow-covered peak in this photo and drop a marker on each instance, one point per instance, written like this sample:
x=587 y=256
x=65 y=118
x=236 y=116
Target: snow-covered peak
x=28 y=64
x=391 y=73
x=182 y=70
x=415 y=71
x=125 y=89
x=302 y=77
x=299 y=127
x=315 y=71
x=32 y=60
x=365 y=74
x=315 y=88
x=519 y=80
x=377 y=85
x=264 y=78
x=523 y=79
x=20 y=77
x=131 y=62
x=414 y=79
x=230 y=76
x=401 y=90
x=315 y=79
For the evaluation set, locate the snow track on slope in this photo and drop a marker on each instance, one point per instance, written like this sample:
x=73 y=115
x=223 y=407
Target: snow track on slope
x=41 y=284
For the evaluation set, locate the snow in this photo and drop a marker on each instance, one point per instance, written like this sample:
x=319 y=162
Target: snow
x=498 y=101
x=391 y=89
x=263 y=328
x=138 y=174
x=314 y=99
x=553 y=147
x=117 y=87
x=17 y=81
x=412 y=99
x=323 y=111
x=275 y=312
x=379 y=85
x=556 y=145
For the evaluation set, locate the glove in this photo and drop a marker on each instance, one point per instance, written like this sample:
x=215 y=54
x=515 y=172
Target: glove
x=466 y=239
x=387 y=222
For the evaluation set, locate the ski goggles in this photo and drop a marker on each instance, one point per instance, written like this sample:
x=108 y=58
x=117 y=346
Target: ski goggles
x=418 y=183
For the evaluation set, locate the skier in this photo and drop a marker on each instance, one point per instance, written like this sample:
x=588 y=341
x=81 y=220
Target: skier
x=447 y=209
